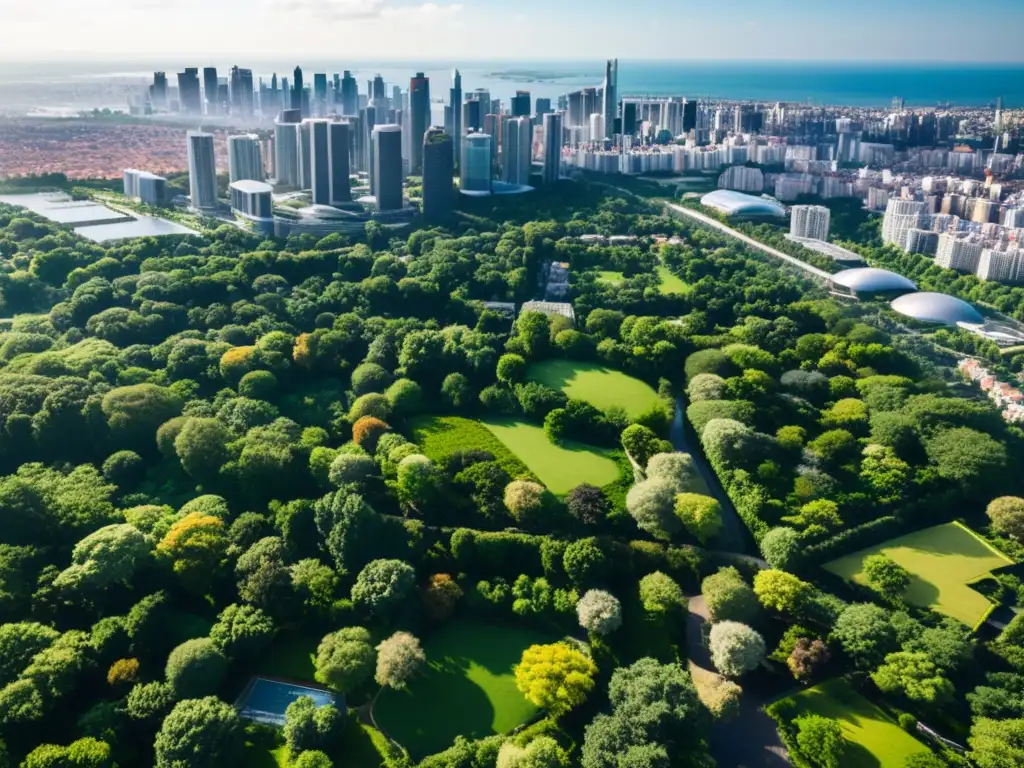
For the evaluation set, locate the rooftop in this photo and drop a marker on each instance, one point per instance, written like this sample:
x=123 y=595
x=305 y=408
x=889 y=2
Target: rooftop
x=252 y=187
x=939 y=308
x=872 y=280
x=733 y=203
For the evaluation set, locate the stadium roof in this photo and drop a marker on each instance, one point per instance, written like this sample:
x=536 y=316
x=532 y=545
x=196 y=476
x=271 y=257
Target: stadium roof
x=937 y=308
x=733 y=203
x=872 y=280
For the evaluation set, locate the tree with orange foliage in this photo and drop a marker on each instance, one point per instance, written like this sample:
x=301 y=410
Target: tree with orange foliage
x=197 y=545
x=440 y=596
x=235 y=363
x=367 y=431
x=123 y=672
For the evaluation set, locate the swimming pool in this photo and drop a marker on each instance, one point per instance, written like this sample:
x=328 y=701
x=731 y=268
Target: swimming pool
x=265 y=700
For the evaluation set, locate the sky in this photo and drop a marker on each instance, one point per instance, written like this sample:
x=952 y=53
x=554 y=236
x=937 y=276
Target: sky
x=526 y=30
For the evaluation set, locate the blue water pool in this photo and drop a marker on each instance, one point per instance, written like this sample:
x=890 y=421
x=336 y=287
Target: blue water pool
x=266 y=700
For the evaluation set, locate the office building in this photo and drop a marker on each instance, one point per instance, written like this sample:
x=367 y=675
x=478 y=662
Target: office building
x=158 y=91
x=245 y=159
x=286 y=148
x=202 y=170
x=475 y=164
x=339 y=148
x=368 y=117
x=319 y=103
x=252 y=199
x=145 y=187
x=235 y=82
x=543 y=107
x=689 y=116
x=901 y=216
x=521 y=104
x=629 y=118
x=189 y=96
x=438 y=174
x=597 y=127
x=296 y=100
x=210 y=90
x=319 y=159
x=809 y=221
x=246 y=91
x=419 y=120
x=455 y=102
x=473 y=115
x=516 y=151
x=349 y=94
x=387 y=166
x=552 y=147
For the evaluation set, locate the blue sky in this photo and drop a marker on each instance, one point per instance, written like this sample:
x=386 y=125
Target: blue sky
x=816 y=30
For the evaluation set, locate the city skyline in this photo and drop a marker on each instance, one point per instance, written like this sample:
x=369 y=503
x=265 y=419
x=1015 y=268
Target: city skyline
x=431 y=30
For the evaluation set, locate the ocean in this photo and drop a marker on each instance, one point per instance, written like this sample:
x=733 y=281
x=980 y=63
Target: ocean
x=78 y=84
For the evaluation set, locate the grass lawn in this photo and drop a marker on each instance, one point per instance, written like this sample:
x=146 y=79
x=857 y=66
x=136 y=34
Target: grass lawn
x=596 y=384
x=362 y=747
x=441 y=436
x=669 y=282
x=291 y=656
x=607 y=277
x=874 y=740
x=560 y=467
x=468 y=688
x=942 y=561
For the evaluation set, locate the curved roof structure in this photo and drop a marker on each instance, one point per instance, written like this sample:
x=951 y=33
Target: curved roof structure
x=733 y=203
x=872 y=280
x=252 y=187
x=936 y=308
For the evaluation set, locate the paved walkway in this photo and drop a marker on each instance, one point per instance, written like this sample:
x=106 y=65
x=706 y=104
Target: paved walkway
x=749 y=740
x=811 y=270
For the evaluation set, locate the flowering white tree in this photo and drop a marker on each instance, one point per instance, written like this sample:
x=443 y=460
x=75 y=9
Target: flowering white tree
x=399 y=658
x=599 y=612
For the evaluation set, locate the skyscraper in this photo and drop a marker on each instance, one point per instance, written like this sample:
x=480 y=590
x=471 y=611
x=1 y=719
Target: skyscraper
x=245 y=160
x=235 y=81
x=188 y=91
x=210 y=90
x=472 y=116
x=438 y=174
x=552 y=147
x=286 y=148
x=319 y=159
x=297 y=89
x=158 y=91
x=245 y=84
x=521 y=104
x=516 y=153
x=202 y=170
x=338 y=148
x=455 y=101
x=475 y=166
x=543 y=106
x=629 y=118
x=369 y=119
x=320 y=94
x=689 y=115
x=349 y=94
x=419 y=120
x=387 y=166
x=611 y=94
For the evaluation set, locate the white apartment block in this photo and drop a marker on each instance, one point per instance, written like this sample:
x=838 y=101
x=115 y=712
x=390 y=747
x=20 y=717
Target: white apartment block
x=1002 y=266
x=959 y=253
x=901 y=216
x=742 y=179
x=809 y=221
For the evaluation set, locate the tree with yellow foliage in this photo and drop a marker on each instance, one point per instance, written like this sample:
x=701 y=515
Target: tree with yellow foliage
x=556 y=677
x=197 y=545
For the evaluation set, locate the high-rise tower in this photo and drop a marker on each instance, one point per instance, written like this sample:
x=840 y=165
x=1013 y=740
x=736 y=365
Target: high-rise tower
x=387 y=166
x=210 y=90
x=611 y=95
x=297 y=88
x=245 y=159
x=438 y=174
x=202 y=170
x=455 y=100
x=419 y=120
x=552 y=147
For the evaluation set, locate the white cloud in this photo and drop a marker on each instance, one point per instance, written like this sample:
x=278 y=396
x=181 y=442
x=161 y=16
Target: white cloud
x=361 y=10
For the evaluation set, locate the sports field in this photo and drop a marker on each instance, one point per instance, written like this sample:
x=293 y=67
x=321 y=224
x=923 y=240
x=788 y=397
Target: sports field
x=942 y=560
x=609 y=277
x=670 y=283
x=559 y=467
x=596 y=384
x=468 y=688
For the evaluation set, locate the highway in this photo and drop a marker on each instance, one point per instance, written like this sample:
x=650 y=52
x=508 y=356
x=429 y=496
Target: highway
x=813 y=271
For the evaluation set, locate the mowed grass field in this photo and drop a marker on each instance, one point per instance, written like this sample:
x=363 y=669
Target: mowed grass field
x=874 y=740
x=608 y=277
x=559 y=467
x=441 y=436
x=942 y=560
x=468 y=688
x=596 y=384
x=669 y=282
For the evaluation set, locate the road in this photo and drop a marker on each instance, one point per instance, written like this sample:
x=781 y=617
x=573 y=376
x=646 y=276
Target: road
x=818 y=274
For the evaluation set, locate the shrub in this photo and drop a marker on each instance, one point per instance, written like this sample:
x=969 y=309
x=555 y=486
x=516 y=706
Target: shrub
x=701 y=515
x=781 y=547
x=525 y=501
x=706 y=386
x=660 y=594
x=587 y=503
x=708 y=361
x=652 y=505
x=729 y=597
x=735 y=648
x=440 y=596
x=642 y=443
x=676 y=467
x=599 y=612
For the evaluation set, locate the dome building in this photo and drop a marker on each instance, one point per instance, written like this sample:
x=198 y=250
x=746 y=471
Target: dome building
x=864 y=280
x=938 y=308
x=738 y=205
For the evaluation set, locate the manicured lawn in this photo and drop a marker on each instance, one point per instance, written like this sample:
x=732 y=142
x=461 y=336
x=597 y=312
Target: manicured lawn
x=468 y=688
x=610 y=278
x=362 y=747
x=559 y=467
x=874 y=740
x=670 y=282
x=596 y=384
x=942 y=561
x=441 y=436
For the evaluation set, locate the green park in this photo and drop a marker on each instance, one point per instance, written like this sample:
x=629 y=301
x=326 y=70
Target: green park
x=597 y=384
